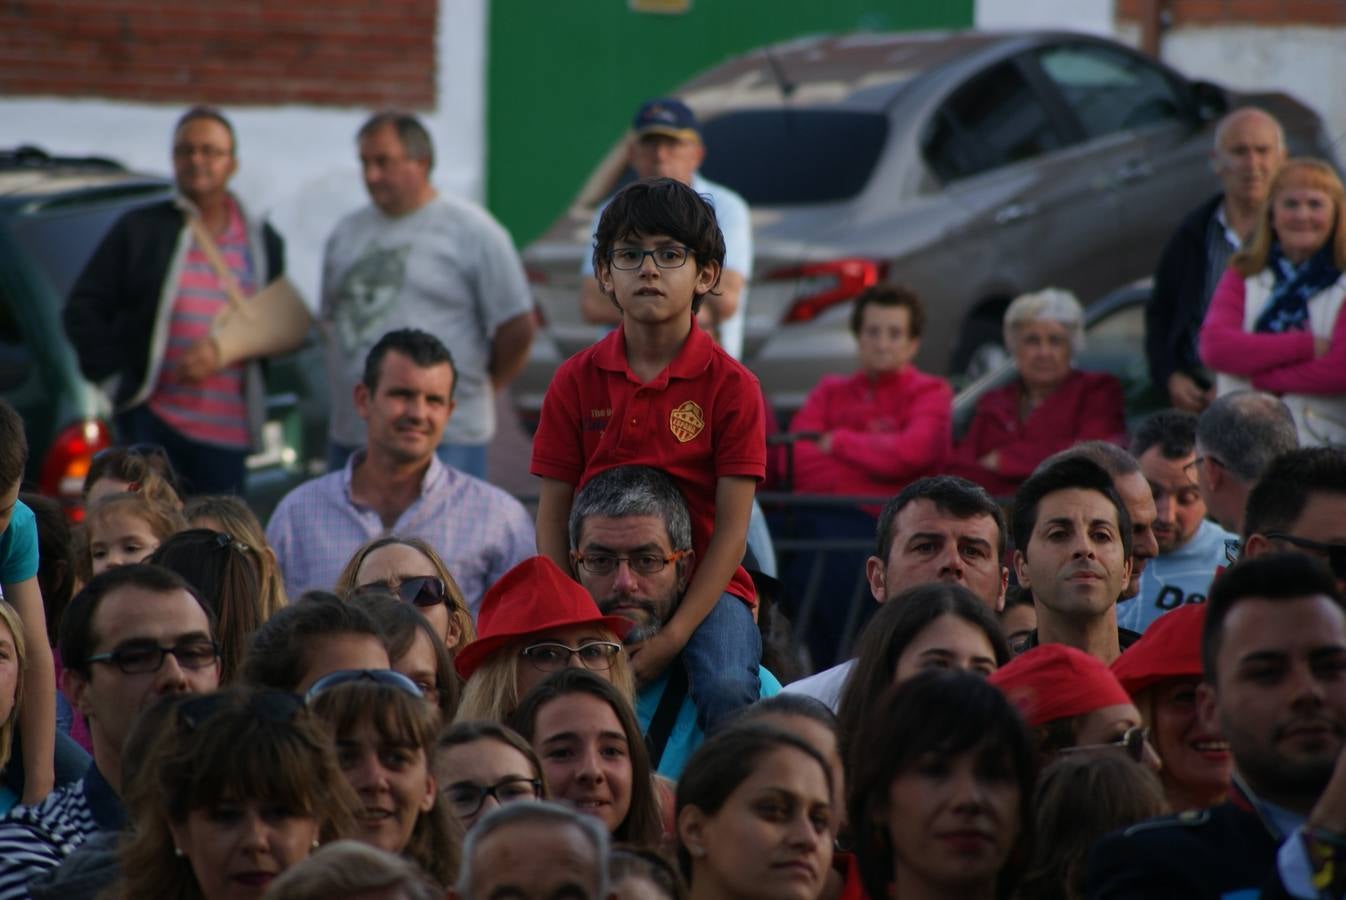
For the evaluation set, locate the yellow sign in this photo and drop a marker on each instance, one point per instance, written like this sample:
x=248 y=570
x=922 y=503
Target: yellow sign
x=661 y=7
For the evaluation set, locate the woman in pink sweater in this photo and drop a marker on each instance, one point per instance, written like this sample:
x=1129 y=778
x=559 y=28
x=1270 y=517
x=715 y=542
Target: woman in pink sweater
x=873 y=432
x=1275 y=322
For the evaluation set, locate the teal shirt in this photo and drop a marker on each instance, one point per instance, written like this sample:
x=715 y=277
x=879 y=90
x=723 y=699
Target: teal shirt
x=686 y=735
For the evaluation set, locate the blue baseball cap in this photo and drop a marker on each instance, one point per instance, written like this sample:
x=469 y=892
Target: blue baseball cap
x=669 y=116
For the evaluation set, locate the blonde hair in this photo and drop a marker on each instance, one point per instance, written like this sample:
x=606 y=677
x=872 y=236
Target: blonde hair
x=1304 y=174
x=163 y=519
x=492 y=693
x=346 y=582
x=10 y=617
x=237 y=519
x=1048 y=304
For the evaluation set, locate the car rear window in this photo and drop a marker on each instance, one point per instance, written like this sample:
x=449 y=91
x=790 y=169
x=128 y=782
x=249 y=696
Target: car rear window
x=785 y=157
x=61 y=240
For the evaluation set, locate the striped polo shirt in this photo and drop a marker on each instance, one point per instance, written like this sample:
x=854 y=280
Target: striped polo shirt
x=211 y=411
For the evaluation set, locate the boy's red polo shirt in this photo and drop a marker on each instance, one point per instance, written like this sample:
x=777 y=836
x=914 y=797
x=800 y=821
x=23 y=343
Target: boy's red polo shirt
x=698 y=420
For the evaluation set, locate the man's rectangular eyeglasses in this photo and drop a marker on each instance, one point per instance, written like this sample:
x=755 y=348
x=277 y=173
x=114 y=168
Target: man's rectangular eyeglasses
x=422 y=591
x=466 y=799
x=141 y=659
x=640 y=563
x=1132 y=743
x=1335 y=554
x=673 y=256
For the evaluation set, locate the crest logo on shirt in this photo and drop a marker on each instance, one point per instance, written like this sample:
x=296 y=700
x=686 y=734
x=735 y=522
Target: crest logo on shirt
x=686 y=422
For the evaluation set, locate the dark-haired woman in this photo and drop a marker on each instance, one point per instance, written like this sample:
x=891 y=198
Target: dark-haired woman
x=940 y=798
x=586 y=734
x=755 y=818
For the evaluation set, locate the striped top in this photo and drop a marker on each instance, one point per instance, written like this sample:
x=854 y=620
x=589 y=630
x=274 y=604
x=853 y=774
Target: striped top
x=211 y=411
x=35 y=839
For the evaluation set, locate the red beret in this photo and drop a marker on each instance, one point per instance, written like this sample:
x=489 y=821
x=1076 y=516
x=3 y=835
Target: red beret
x=1170 y=648
x=1054 y=681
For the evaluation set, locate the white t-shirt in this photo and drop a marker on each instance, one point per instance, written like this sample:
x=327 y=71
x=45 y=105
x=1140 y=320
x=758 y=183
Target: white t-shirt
x=448 y=268
x=825 y=687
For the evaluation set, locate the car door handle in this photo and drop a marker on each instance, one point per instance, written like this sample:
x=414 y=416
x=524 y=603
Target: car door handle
x=1134 y=170
x=1015 y=212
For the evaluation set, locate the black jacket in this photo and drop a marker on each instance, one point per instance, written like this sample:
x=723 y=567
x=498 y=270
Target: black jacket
x=1177 y=303
x=118 y=300
x=1213 y=853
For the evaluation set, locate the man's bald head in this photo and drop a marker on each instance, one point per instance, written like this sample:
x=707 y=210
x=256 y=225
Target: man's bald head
x=1249 y=148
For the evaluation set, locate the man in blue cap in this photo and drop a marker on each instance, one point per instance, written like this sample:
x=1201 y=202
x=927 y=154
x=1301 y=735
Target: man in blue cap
x=666 y=143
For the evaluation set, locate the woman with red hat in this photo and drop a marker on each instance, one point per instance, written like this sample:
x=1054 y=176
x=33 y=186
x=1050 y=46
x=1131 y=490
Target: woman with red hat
x=1073 y=703
x=534 y=621
x=1161 y=672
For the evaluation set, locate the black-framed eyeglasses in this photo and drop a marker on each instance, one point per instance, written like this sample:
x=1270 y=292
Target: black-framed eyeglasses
x=549 y=656
x=1132 y=743
x=1334 y=553
x=187 y=151
x=466 y=799
x=142 y=659
x=640 y=563
x=268 y=705
x=379 y=676
x=672 y=256
x=422 y=591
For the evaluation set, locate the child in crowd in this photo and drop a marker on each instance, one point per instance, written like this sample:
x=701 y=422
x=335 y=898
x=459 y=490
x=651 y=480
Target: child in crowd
x=659 y=392
x=127 y=527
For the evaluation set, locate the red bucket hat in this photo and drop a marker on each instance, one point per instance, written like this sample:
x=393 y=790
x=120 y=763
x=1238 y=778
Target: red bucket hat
x=533 y=596
x=1170 y=648
x=1055 y=681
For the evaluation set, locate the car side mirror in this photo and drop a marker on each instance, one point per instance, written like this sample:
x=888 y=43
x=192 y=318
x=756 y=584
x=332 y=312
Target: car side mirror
x=1210 y=100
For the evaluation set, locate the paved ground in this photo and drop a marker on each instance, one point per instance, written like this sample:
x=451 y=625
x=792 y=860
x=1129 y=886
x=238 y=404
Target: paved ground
x=507 y=458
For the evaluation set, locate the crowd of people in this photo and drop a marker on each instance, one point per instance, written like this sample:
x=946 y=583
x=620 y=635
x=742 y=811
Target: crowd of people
x=1105 y=662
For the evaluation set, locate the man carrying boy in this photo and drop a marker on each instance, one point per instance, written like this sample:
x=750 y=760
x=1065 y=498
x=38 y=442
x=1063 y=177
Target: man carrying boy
x=658 y=392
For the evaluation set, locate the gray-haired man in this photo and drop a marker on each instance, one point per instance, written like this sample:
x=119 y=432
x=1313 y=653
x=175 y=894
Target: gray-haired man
x=534 y=851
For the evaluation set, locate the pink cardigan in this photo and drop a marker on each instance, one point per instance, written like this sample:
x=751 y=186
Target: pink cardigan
x=886 y=432
x=1279 y=363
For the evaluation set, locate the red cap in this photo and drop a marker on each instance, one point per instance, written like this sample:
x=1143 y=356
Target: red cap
x=1054 y=681
x=1170 y=648
x=532 y=597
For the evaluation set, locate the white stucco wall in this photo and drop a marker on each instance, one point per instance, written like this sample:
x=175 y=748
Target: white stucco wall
x=297 y=165
x=1093 y=16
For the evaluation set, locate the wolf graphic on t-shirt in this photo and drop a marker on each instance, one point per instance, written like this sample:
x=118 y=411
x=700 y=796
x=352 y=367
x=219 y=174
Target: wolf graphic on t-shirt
x=368 y=291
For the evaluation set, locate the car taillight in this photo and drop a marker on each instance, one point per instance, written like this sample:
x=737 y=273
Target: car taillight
x=67 y=462
x=826 y=284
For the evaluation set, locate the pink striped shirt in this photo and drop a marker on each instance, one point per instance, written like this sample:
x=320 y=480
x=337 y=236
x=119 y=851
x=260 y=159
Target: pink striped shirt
x=211 y=411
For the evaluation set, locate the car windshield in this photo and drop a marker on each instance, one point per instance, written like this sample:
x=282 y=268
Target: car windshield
x=783 y=157
x=61 y=240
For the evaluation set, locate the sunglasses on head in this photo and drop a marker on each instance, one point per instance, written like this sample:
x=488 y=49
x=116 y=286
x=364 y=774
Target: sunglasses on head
x=378 y=676
x=1132 y=743
x=422 y=591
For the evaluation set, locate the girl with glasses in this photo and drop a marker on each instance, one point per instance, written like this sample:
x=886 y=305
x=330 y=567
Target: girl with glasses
x=411 y=569
x=482 y=765
x=385 y=735
x=535 y=621
x=241 y=785
x=593 y=754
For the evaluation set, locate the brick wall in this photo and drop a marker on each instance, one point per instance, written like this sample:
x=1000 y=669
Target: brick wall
x=1242 y=12
x=372 y=53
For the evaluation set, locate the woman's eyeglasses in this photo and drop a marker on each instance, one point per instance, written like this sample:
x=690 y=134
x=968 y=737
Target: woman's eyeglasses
x=596 y=656
x=1132 y=743
x=466 y=799
x=422 y=591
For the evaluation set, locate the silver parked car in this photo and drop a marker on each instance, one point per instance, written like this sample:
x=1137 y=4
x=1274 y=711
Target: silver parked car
x=972 y=166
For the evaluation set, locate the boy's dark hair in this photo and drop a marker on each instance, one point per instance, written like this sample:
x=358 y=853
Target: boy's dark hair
x=889 y=295
x=1065 y=474
x=1173 y=431
x=77 y=640
x=1280 y=495
x=666 y=207
x=214 y=115
x=1273 y=576
x=13 y=447
x=421 y=347
x=56 y=559
x=950 y=494
x=277 y=657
